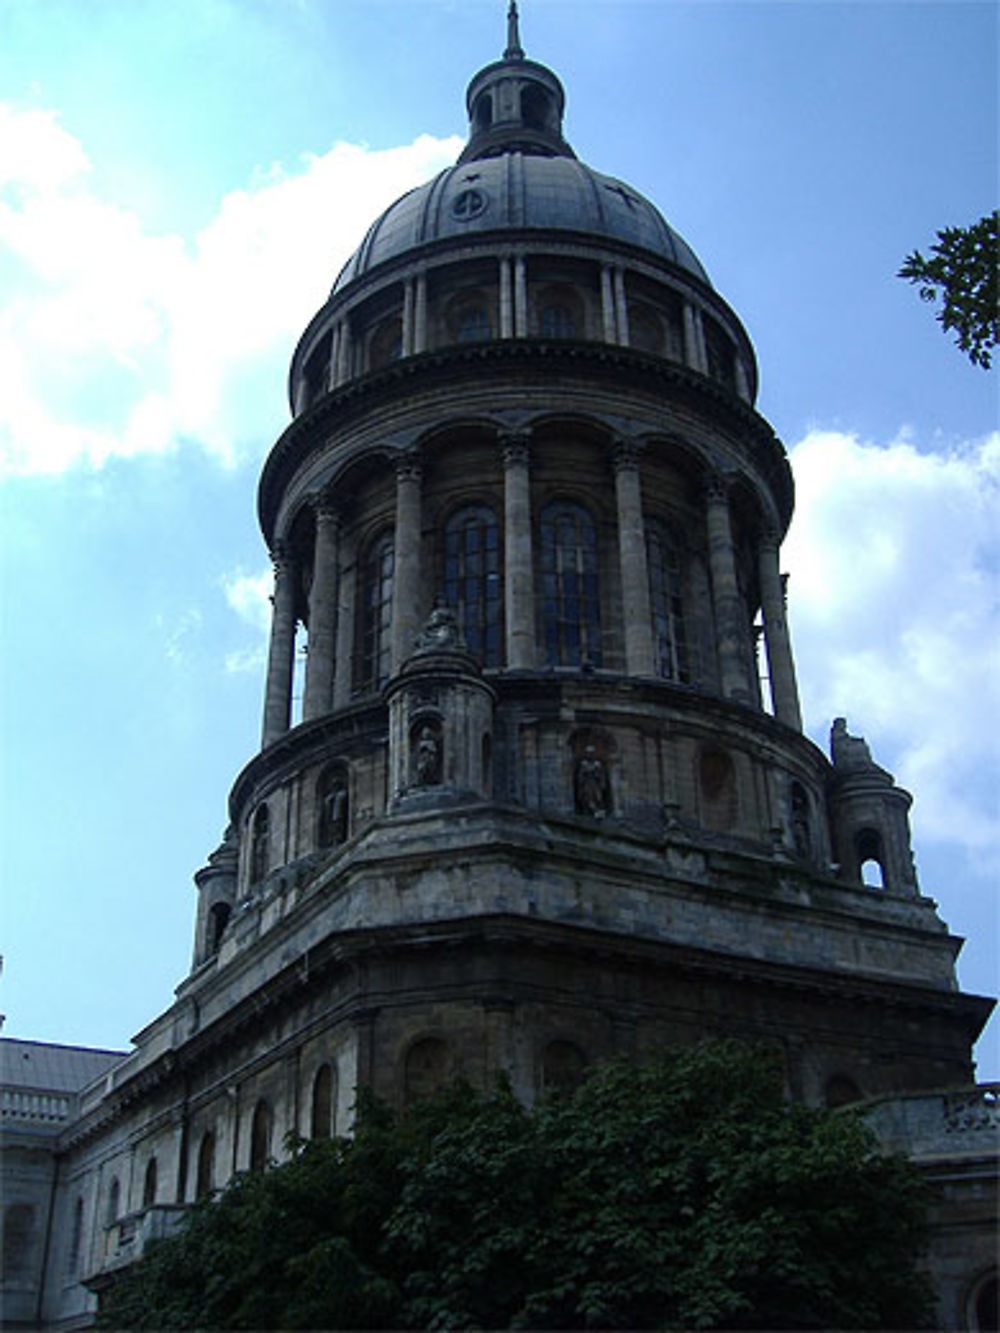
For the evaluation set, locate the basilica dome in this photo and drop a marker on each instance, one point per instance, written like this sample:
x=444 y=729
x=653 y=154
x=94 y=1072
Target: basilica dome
x=522 y=191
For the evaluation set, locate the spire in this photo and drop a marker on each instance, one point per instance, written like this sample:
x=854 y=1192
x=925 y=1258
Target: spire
x=514 y=50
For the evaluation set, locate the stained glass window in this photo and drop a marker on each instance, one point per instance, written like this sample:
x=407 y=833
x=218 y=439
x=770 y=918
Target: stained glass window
x=666 y=605
x=571 y=611
x=472 y=579
x=376 y=614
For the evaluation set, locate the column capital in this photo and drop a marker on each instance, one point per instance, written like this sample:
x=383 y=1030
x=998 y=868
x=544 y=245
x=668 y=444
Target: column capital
x=715 y=487
x=326 y=507
x=408 y=465
x=516 y=447
x=625 y=455
x=282 y=557
x=769 y=540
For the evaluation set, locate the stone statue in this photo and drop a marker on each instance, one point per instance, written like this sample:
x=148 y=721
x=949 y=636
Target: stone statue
x=590 y=785
x=427 y=764
x=847 y=751
x=441 y=632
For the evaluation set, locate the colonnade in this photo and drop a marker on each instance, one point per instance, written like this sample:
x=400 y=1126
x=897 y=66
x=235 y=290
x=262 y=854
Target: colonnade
x=512 y=322
x=332 y=598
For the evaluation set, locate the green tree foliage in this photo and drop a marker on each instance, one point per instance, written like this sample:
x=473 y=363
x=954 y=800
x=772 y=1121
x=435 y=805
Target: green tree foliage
x=962 y=269
x=684 y=1194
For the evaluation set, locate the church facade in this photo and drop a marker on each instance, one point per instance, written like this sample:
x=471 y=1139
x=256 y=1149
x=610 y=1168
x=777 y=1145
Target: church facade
x=548 y=800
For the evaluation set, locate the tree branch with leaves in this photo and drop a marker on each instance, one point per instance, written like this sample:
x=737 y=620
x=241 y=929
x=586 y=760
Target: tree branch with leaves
x=962 y=269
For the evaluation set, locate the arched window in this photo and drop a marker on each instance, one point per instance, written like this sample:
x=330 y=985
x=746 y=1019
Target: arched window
x=871 y=865
x=472 y=579
x=218 y=914
x=149 y=1184
x=333 y=814
x=571 y=612
x=556 y=320
x=114 y=1201
x=666 y=605
x=205 y=1179
x=376 y=614
x=260 y=845
x=75 y=1240
x=18 y=1240
x=387 y=343
x=473 y=325
x=322 y=1121
x=482 y=115
x=260 y=1136
x=426 y=1068
x=563 y=1066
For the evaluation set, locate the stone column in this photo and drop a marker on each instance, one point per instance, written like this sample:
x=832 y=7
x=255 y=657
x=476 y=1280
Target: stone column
x=506 y=299
x=520 y=298
x=742 y=378
x=621 y=306
x=343 y=669
x=519 y=577
x=607 y=305
x=278 y=696
x=406 y=588
x=420 y=313
x=780 y=664
x=639 y=657
x=301 y=394
x=318 y=698
x=408 y=317
x=730 y=633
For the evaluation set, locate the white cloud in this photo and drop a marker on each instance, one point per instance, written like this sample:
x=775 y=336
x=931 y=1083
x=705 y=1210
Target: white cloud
x=894 y=557
x=249 y=595
x=115 y=341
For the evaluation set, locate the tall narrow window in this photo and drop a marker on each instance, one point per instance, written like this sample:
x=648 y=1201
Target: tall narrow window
x=149 y=1184
x=323 y=1103
x=260 y=1136
x=376 y=613
x=666 y=605
x=571 y=612
x=205 y=1181
x=472 y=579
x=871 y=860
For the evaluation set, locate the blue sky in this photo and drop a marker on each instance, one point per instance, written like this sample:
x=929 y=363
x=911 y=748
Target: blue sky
x=180 y=181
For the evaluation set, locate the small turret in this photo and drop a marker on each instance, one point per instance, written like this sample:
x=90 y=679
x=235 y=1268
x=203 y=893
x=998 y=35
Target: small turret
x=869 y=817
x=515 y=105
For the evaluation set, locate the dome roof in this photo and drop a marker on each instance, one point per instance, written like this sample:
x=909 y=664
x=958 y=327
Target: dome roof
x=518 y=191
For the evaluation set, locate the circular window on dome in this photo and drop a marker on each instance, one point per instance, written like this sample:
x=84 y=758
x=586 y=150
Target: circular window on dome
x=469 y=204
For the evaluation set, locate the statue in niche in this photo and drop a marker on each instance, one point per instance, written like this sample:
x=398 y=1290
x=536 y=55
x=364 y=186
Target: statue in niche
x=333 y=815
x=441 y=633
x=590 y=785
x=427 y=757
